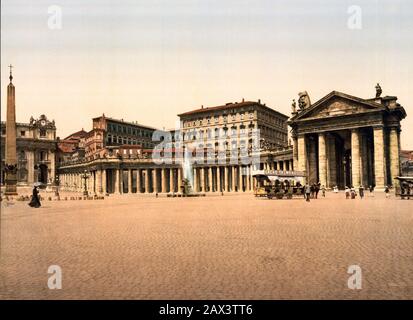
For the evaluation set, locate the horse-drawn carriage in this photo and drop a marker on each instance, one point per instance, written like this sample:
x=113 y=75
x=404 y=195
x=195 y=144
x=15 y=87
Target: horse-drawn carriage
x=278 y=184
x=405 y=190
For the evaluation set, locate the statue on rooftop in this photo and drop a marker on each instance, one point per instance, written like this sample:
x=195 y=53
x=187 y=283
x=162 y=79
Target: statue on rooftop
x=303 y=100
x=378 y=91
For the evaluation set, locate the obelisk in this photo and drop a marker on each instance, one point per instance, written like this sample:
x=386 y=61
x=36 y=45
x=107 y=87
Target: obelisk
x=11 y=154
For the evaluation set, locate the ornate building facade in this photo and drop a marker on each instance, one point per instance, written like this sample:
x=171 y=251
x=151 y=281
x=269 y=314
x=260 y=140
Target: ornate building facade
x=342 y=140
x=36 y=151
x=121 y=170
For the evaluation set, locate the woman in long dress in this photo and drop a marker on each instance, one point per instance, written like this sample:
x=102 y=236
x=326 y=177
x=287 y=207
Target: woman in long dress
x=35 y=202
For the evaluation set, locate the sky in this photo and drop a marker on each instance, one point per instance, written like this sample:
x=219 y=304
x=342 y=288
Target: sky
x=148 y=61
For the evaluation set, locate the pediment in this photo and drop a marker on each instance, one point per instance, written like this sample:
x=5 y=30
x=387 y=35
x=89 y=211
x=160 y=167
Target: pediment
x=338 y=104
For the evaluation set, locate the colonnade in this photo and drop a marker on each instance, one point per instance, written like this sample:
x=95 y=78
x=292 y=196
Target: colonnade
x=228 y=178
x=359 y=156
x=281 y=165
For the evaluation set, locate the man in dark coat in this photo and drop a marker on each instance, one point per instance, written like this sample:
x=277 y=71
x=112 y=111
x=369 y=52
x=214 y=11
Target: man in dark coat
x=317 y=189
x=35 y=202
x=361 y=191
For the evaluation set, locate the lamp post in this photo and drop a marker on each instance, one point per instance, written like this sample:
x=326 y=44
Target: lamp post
x=57 y=185
x=85 y=176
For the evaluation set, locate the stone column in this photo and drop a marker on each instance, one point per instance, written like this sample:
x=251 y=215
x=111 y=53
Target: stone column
x=364 y=160
x=322 y=159
x=52 y=158
x=226 y=178
x=295 y=151
x=129 y=181
x=147 y=180
x=117 y=180
x=302 y=156
x=355 y=158
x=104 y=187
x=121 y=181
x=379 y=157
x=332 y=162
x=179 y=179
x=196 y=178
x=394 y=153
x=233 y=178
x=203 y=180
x=219 y=183
x=98 y=181
x=240 y=180
x=248 y=177
x=163 y=180
x=171 y=180
x=138 y=181
x=210 y=180
x=30 y=167
x=155 y=180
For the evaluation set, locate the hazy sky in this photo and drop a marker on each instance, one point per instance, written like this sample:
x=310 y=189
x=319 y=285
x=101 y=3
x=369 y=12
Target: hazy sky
x=147 y=61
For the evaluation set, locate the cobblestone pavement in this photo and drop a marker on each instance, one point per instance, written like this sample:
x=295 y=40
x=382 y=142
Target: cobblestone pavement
x=217 y=247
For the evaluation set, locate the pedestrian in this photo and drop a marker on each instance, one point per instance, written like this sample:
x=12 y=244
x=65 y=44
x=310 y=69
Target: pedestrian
x=307 y=192
x=323 y=191
x=371 y=189
x=312 y=190
x=35 y=201
x=361 y=192
x=387 y=191
x=317 y=189
x=335 y=189
x=353 y=193
x=347 y=191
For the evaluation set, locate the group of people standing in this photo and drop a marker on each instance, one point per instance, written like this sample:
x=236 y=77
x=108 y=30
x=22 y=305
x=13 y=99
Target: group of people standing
x=311 y=191
x=351 y=192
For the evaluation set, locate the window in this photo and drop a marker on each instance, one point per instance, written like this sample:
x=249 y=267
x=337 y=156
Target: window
x=42 y=133
x=233 y=131
x=22 y=133
x=242 y=129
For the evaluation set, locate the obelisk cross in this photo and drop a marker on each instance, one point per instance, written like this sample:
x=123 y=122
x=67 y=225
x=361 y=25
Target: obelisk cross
x=11 y=77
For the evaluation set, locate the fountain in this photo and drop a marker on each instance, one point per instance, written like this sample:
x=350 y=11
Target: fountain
x=188 y=179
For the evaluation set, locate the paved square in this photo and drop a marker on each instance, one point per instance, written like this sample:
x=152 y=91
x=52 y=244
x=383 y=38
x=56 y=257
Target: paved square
x=217 y=247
